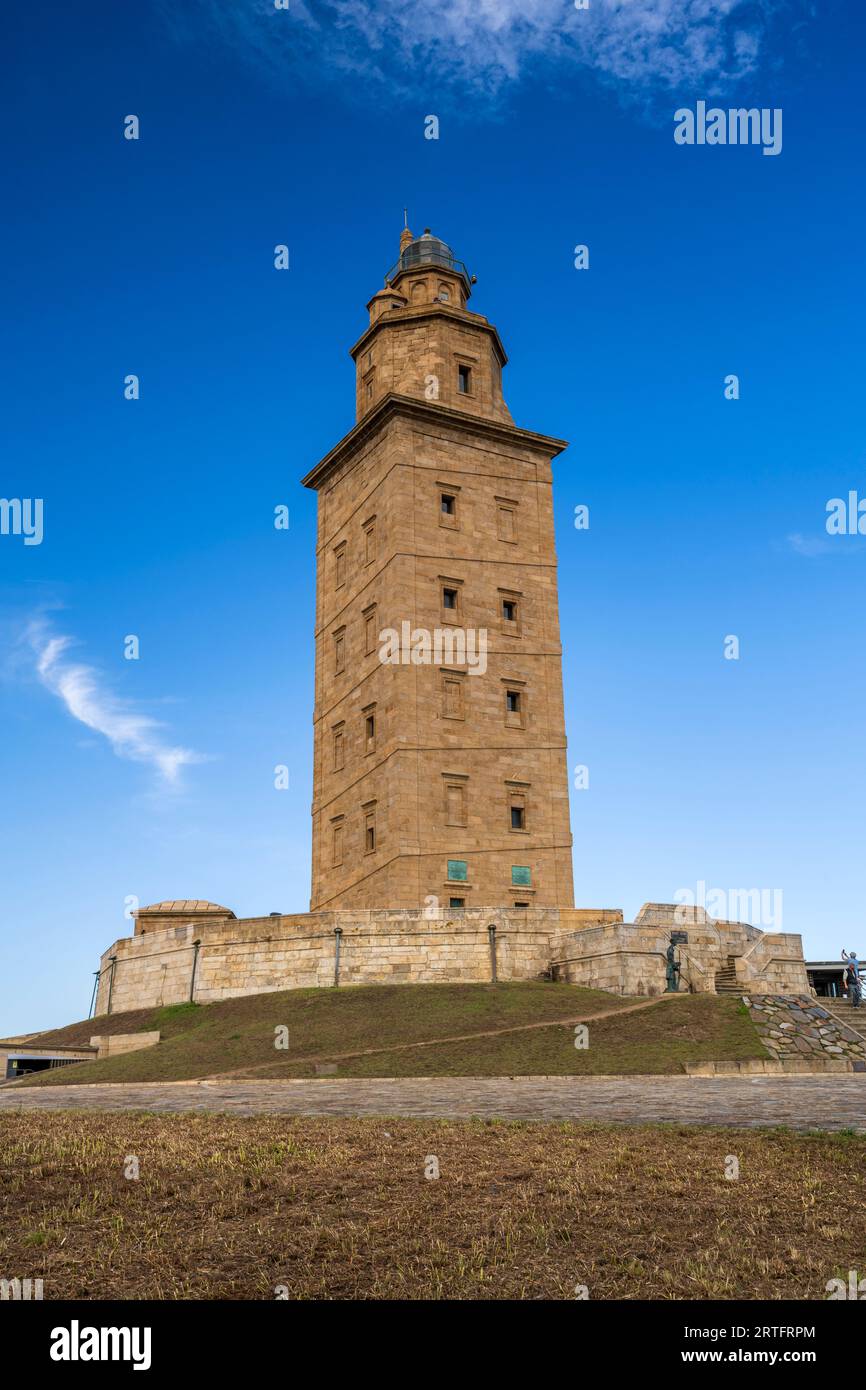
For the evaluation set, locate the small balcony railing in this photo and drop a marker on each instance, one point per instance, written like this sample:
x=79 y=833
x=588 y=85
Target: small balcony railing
x=414 y=258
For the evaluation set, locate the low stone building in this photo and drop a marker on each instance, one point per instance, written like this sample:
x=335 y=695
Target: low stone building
x=25 y=1055
x=827 y=978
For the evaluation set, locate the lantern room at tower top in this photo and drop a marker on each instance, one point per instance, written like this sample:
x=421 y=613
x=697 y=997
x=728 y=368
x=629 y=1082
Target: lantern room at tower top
x=418 y=320
x=427 y=250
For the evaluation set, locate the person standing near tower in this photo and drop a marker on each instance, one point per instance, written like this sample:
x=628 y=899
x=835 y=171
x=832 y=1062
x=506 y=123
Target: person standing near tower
x=854 y=983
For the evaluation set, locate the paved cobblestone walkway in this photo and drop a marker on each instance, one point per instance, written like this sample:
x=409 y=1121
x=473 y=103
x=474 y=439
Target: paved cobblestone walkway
x=800 y=1102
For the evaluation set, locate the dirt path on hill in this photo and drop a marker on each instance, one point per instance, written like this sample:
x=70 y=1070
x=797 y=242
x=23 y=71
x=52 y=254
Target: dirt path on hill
x=451 y=1038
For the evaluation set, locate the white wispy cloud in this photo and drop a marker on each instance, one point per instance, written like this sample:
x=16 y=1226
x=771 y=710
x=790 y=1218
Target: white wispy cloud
x=812 y=546
x=82 y=691
x=487 y=44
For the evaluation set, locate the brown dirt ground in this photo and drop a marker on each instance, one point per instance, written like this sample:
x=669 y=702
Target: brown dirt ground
x=227 y=1207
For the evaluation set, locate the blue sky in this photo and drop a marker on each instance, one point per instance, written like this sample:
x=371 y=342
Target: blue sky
x=155 y=257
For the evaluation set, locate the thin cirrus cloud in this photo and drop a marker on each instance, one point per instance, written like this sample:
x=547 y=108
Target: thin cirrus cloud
x=811 y=546
x=80 y=689
x=485 y=45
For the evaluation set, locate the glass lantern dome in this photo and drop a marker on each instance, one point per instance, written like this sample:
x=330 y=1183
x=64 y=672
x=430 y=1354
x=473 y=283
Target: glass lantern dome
x=428 y=250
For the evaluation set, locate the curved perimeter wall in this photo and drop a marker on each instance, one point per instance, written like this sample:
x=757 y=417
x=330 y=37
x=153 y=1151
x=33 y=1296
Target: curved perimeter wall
x=207 y=961
x=377 y=946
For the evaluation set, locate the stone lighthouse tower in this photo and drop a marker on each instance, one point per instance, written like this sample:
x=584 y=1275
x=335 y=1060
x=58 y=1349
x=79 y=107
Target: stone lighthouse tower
x=439 y=765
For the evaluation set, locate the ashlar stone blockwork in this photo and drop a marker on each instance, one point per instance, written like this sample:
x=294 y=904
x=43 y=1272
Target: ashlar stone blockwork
x=440 y=771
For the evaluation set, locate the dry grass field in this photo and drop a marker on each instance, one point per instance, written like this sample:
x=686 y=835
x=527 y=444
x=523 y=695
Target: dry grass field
x=234 y=1208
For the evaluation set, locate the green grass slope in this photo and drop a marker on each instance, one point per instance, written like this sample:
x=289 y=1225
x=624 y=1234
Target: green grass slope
x=384 y=1026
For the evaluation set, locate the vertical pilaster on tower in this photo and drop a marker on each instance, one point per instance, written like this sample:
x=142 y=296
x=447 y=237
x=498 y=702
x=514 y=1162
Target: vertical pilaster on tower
x=440 y=770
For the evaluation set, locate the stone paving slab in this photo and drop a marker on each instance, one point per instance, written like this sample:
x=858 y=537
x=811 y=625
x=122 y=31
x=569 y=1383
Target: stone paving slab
x=829 y=1102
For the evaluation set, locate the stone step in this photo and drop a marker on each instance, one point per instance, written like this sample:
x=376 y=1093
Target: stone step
x=726 y=981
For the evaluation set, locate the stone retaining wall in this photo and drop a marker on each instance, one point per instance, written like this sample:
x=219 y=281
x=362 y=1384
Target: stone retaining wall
x=222 y=958
x=256 y=955
x=629 y=958
x=795 y=1028
x=113 y=1044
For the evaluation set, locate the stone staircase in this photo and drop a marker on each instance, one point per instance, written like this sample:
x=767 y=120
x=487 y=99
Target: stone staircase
x=726 y=978
x=840 y=1008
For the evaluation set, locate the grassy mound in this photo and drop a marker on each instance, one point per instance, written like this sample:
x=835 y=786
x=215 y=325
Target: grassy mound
x=513 y=1029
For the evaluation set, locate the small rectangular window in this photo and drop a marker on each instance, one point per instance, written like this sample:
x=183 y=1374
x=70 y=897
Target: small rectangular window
x=517 y=795
x=449 y=598
x=369 y=541
x=370 y=633
x=448 y=504
x=337 y=843
x=515 y=706
x=455 y=800
x=456 y=902
x=510 y=614
x=340 y=566
x=370 y=731
x=464 y=379
x=339 y=749
x=521 y=904
x=370 y=831
x=505 y=522
x=339 y=651
x=452 y=705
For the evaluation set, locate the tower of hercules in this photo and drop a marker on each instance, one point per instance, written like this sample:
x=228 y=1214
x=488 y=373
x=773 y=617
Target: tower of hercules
x=440 y=770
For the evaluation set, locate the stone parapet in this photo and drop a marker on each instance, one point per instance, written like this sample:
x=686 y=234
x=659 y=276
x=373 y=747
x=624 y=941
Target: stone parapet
x=316 y=950
x=222 y=958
